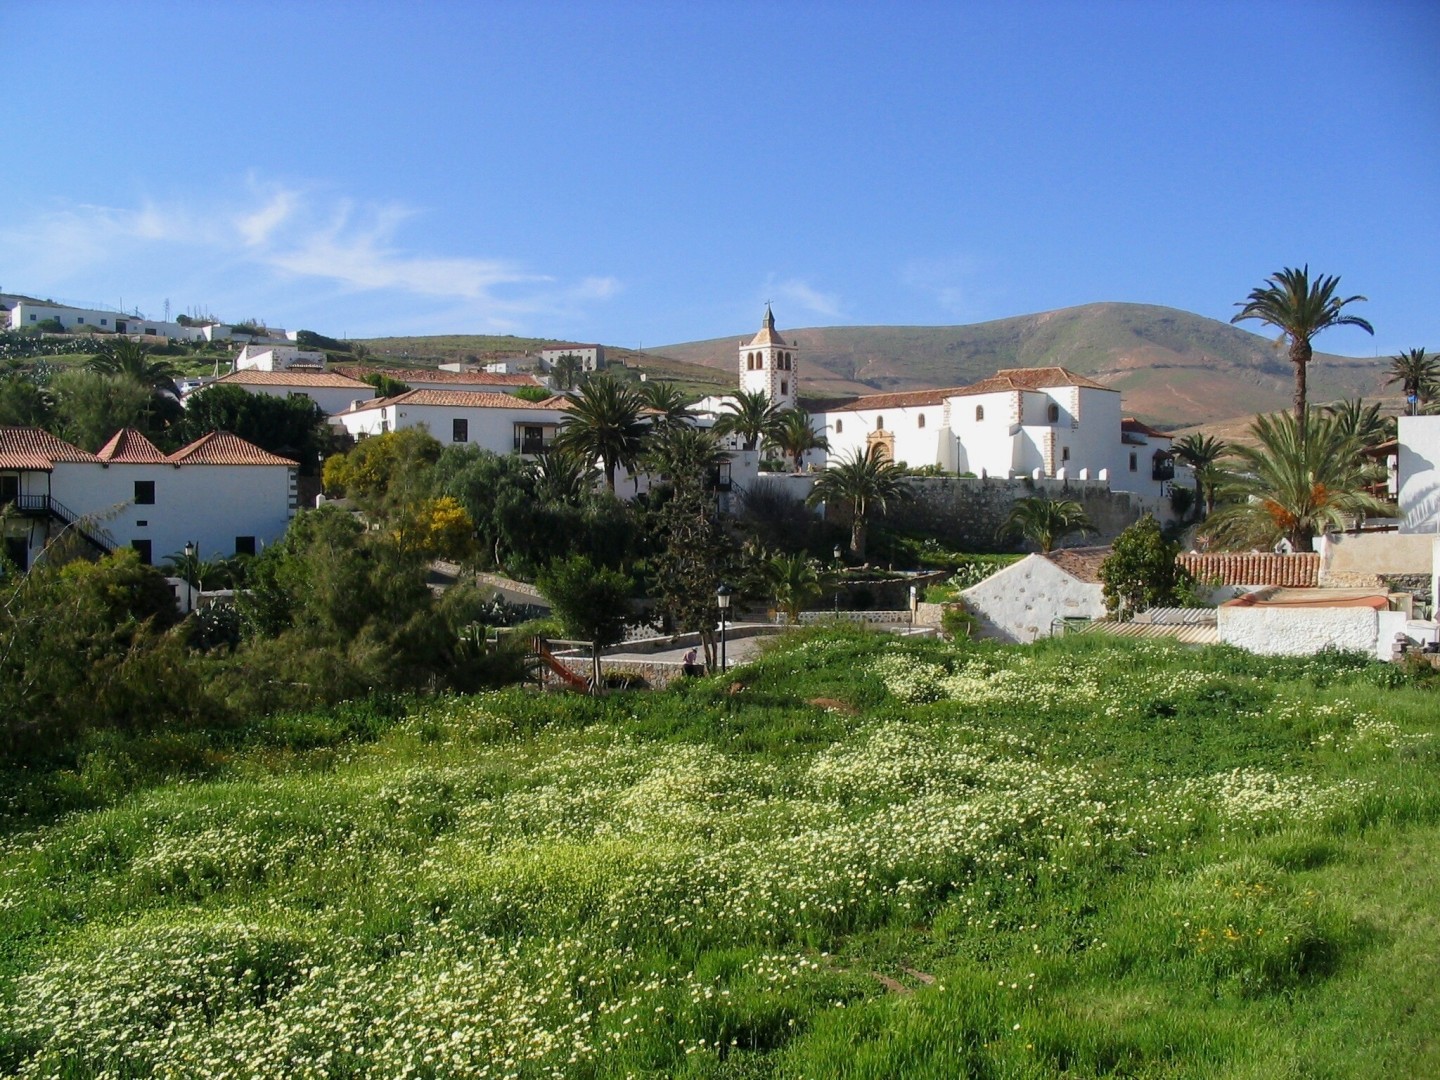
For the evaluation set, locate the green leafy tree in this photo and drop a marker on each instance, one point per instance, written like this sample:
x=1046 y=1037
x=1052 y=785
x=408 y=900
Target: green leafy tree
x=1300 y=308
x=91 y=407
x=863 y=483
x=531 y=393
x=293 y=427
x=1203 y=453
x=386 y=386
x=794 y=436
x=604 y=423
x=1295 y=483
x=25 y=402
x=591 y=602
x=1045 y=521
x=1141 y=571
x=693 y=551
x=1418 y=376
x=384 y=471
x=749 y=416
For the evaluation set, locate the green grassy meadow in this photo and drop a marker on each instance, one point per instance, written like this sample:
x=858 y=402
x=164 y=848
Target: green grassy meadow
x=857 y=857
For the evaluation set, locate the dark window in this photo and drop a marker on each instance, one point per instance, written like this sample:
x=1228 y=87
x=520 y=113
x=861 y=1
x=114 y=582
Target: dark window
x=784 y=387
x=81 y=319
x=145 y=493
x=839 y=426
x=979 y=412
x=1064 y=453
x=104 y=322
x=1132 y=462
x=1054 y=413
x=142 y=548
x=879 y=423
x=9 y=488
x=460 y=431
x=244 y=545
x=17 y=550
x=920 y=422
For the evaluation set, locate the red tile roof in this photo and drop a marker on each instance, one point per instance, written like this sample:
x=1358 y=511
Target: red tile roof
x=1129 y=423
x=1299 y=571
x=1082 y=563
x=35 y=449
x=1040 y=378
x=292 y=378
x=460 y=399
x=128 y=447
x=223 y=448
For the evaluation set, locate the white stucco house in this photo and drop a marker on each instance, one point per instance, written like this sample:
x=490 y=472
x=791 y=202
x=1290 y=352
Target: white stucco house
x=591 y=357
x=330 y=390
x=496 y=422
x=221 y=492
x=1299 y=622
x=278 y=358
x=1032 y=598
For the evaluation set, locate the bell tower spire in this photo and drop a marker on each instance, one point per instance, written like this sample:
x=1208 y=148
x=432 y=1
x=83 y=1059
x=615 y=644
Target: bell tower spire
x=767 y=364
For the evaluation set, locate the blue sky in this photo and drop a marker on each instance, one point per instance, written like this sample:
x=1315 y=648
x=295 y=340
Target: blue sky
x=639 y=174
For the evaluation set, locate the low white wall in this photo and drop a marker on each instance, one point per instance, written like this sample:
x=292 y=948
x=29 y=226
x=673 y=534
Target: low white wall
x=1288 y=631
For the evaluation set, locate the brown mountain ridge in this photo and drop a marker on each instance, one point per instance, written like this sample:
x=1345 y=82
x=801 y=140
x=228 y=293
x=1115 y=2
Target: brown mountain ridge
x=1173 y=367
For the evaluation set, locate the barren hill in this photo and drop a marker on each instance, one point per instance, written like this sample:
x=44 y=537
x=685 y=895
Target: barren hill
x=1173 y=367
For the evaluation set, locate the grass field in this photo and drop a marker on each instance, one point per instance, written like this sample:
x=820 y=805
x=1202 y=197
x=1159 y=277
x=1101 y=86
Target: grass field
x=855 y=858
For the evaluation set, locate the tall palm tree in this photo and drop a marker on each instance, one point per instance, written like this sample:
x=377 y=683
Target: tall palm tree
x=567 y=371
x=1417 y=374
x=795 y=435
x=1045 y=521
x=1300 y=308
x=1202 y=453
x=864 y=482
x=564 y=478
x=125 y=357
x=1295 y=484
x=750 y=415
x=604 y=423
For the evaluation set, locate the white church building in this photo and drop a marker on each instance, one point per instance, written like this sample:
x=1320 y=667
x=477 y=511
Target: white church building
x=1042 y=423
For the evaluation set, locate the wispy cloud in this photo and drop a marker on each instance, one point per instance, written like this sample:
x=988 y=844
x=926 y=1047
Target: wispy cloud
x=286 y=240
x=804 y=296
x=953 y=285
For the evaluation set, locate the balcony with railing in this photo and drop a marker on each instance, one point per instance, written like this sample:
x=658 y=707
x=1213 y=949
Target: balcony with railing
x=531 y=439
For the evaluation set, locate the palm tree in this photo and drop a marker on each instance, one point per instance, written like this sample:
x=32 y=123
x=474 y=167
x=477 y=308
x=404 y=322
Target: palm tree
x=126 y=357
x=666 y=403
x=1045 y=521
x=1202 y=453
x=866 y=481
x=682 y=453
x=795 y=582
x=1299 y=309
x=1295 y=484
x=1362 y=421
x=564 y=478
x=1417 y=374
x=751 y=416
x=795 y=435
x=567 y=371
x=604 y=424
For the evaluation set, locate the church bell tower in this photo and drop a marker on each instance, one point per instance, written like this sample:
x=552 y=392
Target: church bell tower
x=767 y=364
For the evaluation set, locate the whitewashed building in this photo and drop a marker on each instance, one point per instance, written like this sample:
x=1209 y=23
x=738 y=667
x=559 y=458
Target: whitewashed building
x=1418 y=474
x=469 y=381
x=1037 y=422
x=1034 y=597
x=591 y=357
x=221 y=493
x=330 y=390
x=496 y=422
x=278 y=358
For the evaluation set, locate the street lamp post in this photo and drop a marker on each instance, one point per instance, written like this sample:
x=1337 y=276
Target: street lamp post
x=914 y=599
x=722 y=599
x=190 y=574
